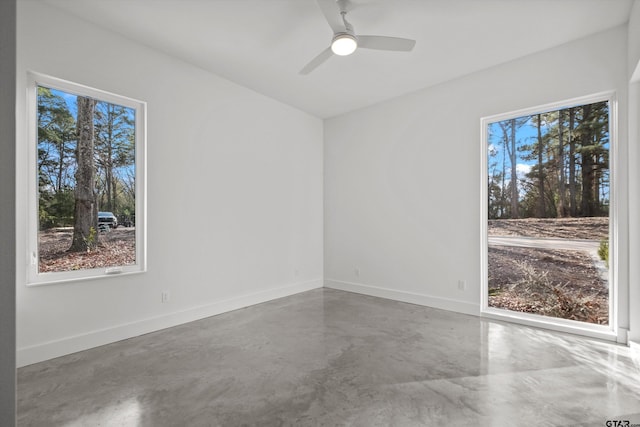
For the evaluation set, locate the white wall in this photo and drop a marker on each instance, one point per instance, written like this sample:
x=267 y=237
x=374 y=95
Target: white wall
x=7 y=213
x=634 y=39
x=235 y=185
x=634 y=173
x=402 y=178
x=234 y=193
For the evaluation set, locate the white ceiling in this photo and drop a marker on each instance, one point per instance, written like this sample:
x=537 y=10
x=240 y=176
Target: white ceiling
x=263 y=44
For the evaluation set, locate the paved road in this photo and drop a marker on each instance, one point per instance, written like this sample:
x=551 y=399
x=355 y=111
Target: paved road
x=590 y=246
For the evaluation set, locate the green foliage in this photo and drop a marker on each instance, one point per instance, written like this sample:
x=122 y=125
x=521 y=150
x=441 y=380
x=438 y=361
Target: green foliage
x=562 y=163
x=56 y=141
x=57 y=162
x=45 y=220
x=114 y=152
x=56 y=209
x=603 y=251
x=91 y=241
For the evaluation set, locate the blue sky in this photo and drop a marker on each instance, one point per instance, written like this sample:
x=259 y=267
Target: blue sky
x=71 y=103
x=526 y=134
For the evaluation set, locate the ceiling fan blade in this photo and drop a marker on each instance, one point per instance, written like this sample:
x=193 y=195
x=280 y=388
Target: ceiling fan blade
x=317 y=61
x=332 y=15
x=386 y=43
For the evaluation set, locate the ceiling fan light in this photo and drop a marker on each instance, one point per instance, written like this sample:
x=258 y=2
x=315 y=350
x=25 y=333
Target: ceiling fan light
x=344 y=44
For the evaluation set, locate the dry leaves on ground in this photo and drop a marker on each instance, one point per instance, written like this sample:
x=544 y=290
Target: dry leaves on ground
x=116 y=248
x=555 y=283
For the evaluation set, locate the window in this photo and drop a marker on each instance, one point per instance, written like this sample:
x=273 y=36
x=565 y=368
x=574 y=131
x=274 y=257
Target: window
x=547 y=202
x=87 y=182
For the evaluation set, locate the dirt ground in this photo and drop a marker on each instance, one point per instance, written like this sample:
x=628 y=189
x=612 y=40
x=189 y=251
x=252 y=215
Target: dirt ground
x=566 y=228
x=554 y=283
x=115 y=248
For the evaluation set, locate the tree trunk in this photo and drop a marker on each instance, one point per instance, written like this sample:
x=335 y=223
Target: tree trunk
x=586 y=137
x=85 y=236
x=541 y=203
x=573 y=204
x=562 y=210
x=109 y=158
x=597 y=211
x=61 y=167
x=515 y=212
x=504 y=210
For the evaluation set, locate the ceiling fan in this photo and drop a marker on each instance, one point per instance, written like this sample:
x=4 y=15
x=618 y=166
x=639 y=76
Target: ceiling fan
x=345 y=41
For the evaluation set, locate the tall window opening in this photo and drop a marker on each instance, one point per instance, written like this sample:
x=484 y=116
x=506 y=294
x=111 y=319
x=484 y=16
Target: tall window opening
x=88 y=182
x=548 y=199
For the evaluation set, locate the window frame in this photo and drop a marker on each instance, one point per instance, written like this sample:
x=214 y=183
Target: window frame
x=33 y=276
x=608 y=332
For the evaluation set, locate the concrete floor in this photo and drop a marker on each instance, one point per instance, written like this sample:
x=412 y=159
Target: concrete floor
x=327 y=357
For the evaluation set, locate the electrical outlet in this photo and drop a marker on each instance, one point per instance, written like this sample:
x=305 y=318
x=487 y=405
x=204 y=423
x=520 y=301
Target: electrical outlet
x=462 y=285
x=296 y=273
x=356 y=271
x=166 y=296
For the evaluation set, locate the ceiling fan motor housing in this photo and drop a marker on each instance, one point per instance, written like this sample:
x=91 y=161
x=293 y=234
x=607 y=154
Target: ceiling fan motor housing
x=344 y=43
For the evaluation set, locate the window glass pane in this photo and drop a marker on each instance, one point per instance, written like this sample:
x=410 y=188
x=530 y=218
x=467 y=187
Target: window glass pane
x=548 y=211
x=86 y=182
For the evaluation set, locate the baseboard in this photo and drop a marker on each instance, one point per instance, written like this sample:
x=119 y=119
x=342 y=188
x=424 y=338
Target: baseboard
x=403 y=296
x=49 y=350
